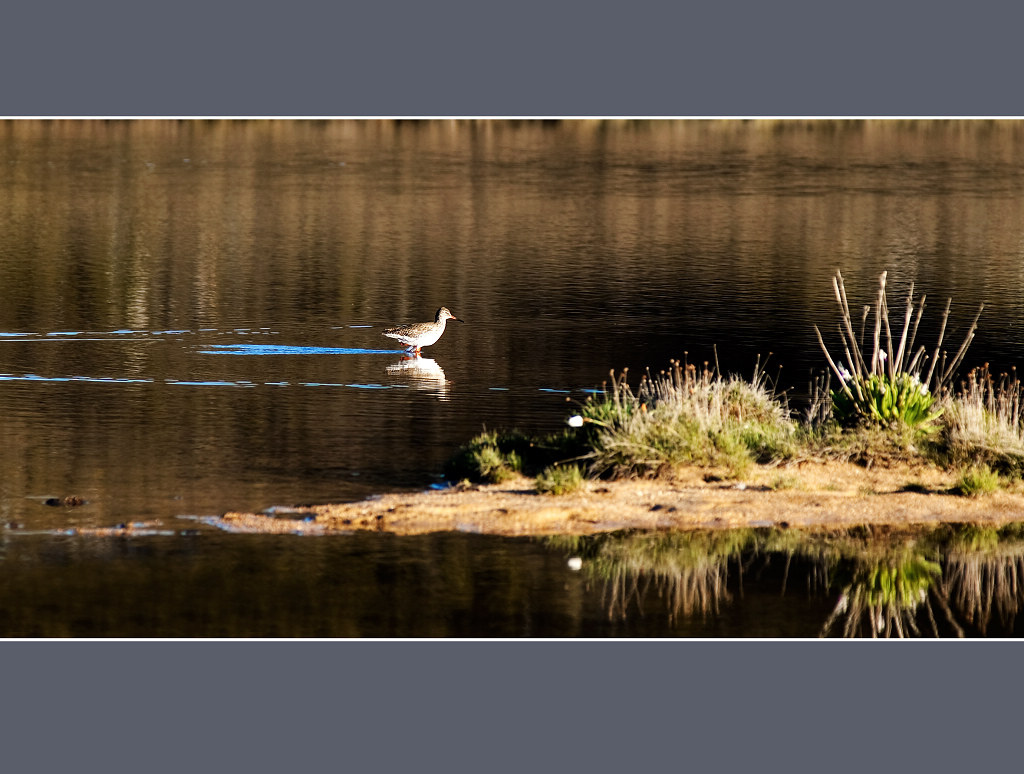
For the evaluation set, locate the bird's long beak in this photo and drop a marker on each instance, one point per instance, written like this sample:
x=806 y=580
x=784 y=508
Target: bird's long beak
x=458 y=320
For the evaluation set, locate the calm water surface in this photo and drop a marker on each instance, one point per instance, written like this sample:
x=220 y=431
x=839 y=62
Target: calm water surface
x=192 y=310
x=963 y=582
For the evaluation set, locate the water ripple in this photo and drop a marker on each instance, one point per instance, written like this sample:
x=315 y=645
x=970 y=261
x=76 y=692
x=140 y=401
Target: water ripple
x=281 y=349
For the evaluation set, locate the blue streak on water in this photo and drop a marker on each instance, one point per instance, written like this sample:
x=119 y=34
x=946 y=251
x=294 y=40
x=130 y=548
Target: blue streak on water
x=16 y=335
x=110 y=380
x=279 y=349
x=498 y=389
x=95 y=379
x=211 y=383
x=33 y=378
x=188 y=383
x=550 y=389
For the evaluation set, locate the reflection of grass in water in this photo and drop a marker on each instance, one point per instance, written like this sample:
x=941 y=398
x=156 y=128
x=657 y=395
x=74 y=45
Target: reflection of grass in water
x=688 y=569
x=982 y=584
x=884 y=578
x=888 y=581
x=985 y=574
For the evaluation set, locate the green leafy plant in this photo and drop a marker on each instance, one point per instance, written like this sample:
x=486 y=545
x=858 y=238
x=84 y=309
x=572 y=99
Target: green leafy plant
x=886 y=400
x=888 y=388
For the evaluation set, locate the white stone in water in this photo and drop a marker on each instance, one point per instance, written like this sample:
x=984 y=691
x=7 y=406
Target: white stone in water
x=576 y=421
x=575 y=563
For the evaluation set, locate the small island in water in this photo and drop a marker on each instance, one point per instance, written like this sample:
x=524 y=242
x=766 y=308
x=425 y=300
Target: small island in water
x=886 y=438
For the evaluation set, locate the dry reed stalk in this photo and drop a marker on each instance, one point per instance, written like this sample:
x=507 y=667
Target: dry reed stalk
x=885 y=360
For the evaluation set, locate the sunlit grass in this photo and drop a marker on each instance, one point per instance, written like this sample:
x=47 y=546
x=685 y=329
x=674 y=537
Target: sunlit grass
x=866 y=445
x=560 y=479
x=896 y=403
x=982 y=423
x=687 y=416
x=977 y=480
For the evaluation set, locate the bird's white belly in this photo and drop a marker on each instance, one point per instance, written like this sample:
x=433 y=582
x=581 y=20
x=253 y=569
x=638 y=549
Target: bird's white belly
x=419 y=340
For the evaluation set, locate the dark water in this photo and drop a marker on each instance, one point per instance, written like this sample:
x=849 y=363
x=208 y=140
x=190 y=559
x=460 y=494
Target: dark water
x=192 y=310
x=962 y=582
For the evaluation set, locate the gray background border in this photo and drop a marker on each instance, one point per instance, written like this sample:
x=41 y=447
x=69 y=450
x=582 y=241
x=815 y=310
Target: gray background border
x=499 y=706
x=528 y=58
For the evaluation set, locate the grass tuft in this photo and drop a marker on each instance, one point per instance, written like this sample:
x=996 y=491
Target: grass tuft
x=976 y=481
x=560 y=479
x=982 y=424
x=489 y=458
x=686 y=416
x=784 y=482
x=496 y=457
x=867 y=445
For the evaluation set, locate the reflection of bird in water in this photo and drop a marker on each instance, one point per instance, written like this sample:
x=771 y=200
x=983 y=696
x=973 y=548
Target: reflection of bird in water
x=419 y=369
x=420 y=335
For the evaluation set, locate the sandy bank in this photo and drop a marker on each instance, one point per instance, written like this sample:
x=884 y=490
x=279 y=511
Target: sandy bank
x=808 y=494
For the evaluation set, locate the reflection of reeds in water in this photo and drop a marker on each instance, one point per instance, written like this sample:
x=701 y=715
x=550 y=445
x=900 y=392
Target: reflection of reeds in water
x=686 y=590
x=981 y=575
x=690 y=571
x=980 y=584
x=885 y=596
x=890 y=583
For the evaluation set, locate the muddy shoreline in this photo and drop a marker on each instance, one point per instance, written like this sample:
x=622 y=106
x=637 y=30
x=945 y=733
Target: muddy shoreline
x=809 y=495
